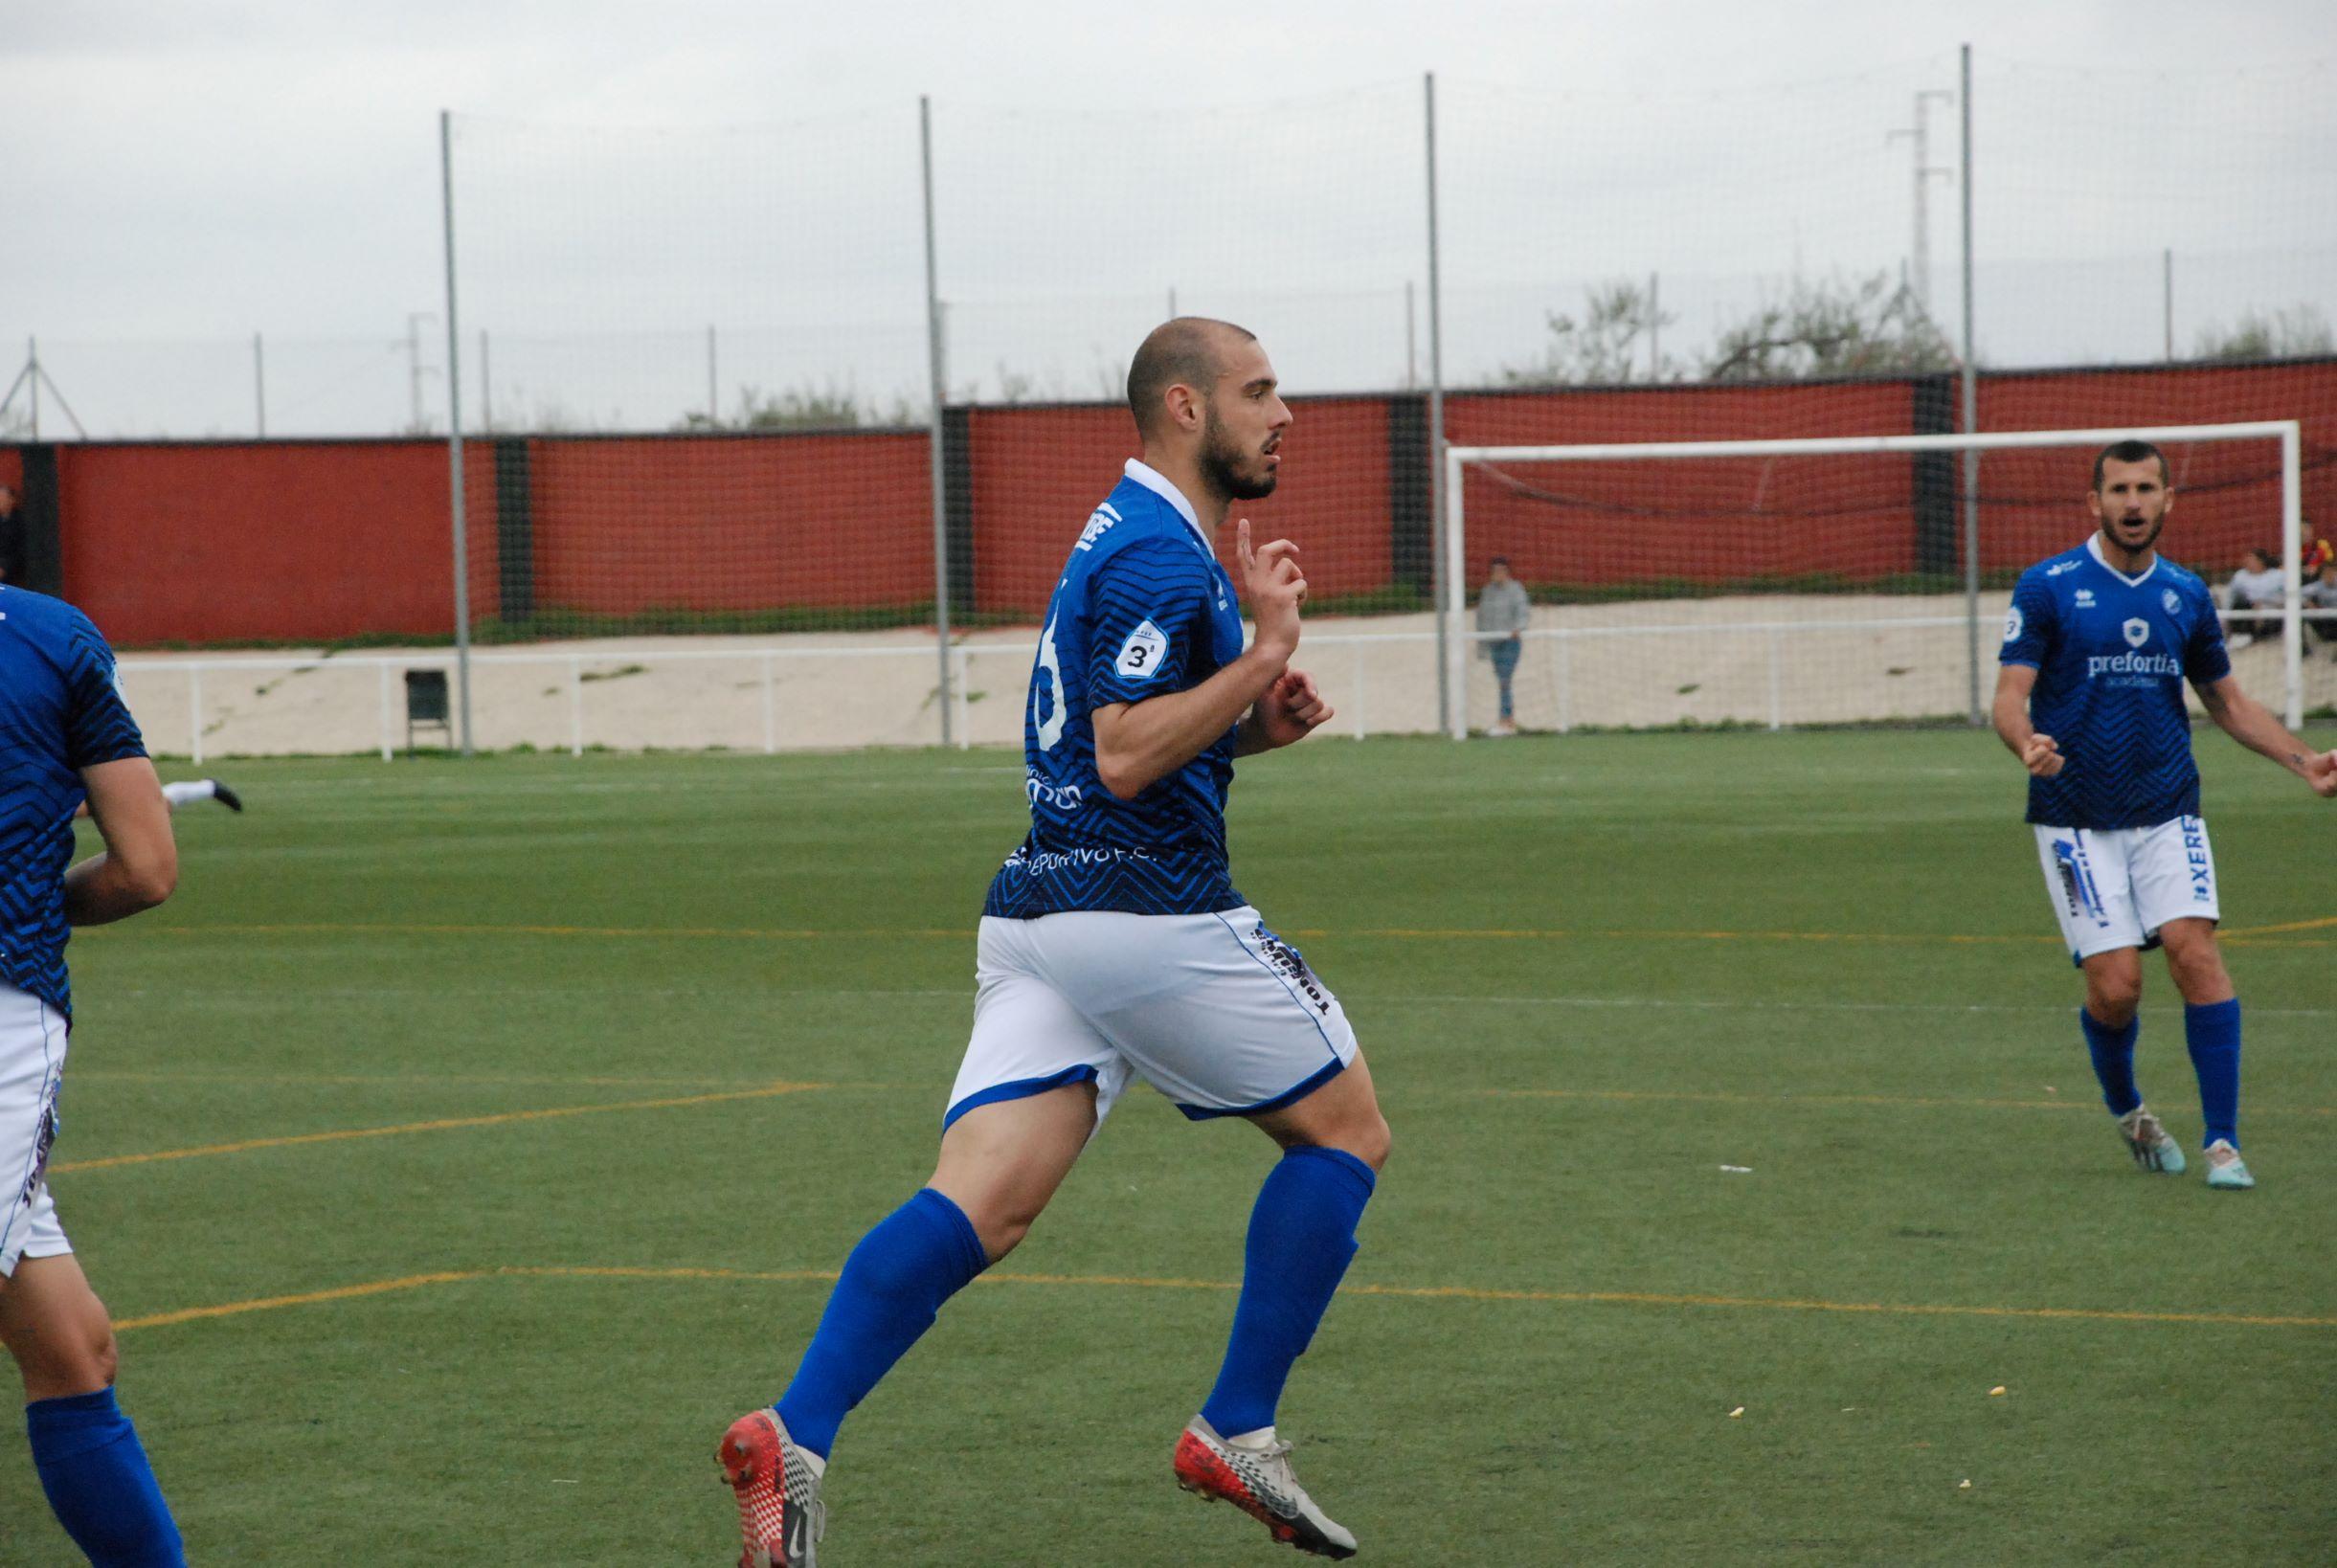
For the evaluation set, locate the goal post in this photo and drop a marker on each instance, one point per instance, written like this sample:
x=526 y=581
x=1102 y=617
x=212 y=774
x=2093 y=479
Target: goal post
x=1760 y=631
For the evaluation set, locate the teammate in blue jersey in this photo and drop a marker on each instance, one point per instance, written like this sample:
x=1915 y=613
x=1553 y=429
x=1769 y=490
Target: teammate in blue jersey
x=1115 y=945
x=2096 y=649
x=65 y=737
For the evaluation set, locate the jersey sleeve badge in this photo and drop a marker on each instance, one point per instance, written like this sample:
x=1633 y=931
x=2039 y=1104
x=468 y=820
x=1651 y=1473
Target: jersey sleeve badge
x=1140 y=655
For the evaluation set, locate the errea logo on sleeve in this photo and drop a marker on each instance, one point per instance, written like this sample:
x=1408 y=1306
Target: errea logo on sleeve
x=1141 y=654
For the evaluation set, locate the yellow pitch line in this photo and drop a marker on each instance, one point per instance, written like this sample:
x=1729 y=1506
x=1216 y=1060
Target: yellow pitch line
x=308 y=1298
x=1444 y=1293
x=447 y=1124
x=2320 y=925
x=1692 y=1097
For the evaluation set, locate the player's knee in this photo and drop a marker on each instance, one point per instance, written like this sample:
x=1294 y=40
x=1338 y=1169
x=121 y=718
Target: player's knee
x=1367 y=1139
x=2114 y=1005
x=103 y=1362
x=2198 y=970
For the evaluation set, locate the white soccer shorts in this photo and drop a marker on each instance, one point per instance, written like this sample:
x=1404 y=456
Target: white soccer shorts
x=1215 y=1011
x=2116 y=889
x=32 y=1067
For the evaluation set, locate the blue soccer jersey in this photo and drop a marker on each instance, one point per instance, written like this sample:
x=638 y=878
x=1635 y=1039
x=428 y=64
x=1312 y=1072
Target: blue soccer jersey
x=58 y=714
x=2111 y=655
x=1142 y=609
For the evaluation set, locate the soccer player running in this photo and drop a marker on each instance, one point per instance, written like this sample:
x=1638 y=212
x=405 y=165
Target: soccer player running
x=2096 y=650
x=66 y=737
x=1113 y=945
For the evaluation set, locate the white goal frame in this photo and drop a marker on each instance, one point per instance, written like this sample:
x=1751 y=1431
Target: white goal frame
x=1455 y=640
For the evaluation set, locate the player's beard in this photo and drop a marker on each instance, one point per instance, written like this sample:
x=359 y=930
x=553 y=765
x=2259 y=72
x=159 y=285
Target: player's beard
x=1221 y=464
x=2109 y=535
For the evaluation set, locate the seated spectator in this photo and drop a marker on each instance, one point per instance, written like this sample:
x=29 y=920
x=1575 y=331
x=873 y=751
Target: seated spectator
x=2256 y=586
x=2321 y=593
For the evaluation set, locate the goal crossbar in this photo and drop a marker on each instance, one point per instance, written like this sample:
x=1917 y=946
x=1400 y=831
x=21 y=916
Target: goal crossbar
x=2289 y=433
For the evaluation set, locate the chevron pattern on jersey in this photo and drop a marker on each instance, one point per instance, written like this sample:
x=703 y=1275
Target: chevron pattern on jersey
x=2112 y=656
x=1142 y=609
x=59 y=712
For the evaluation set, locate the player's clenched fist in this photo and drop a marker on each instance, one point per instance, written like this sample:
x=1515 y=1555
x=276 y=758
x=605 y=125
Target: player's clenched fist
x=2042 y=756
x=2321 y=773
x=1276 y=588
x=1292 y=708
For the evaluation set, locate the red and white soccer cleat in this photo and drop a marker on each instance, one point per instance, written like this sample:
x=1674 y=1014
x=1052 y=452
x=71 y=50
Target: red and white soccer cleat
x=1261 y=1484
x=780 y=1512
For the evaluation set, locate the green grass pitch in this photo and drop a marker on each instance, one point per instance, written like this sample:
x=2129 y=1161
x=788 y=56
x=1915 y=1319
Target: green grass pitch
x=1591 y=974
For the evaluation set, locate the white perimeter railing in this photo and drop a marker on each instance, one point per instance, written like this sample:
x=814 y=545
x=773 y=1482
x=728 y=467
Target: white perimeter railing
x=582 y=669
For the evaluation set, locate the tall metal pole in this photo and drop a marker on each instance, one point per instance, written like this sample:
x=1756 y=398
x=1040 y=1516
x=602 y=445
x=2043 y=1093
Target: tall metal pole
x=486 y=386
x=414 y=365
x=260 y=388
x=933 y=452
x=1919 y=250
x=2167 y=297
x=32 y=370
x=1655 y=326
x=713 y=401
x=1449 y=716
x=1971 y=416
x=454 y=437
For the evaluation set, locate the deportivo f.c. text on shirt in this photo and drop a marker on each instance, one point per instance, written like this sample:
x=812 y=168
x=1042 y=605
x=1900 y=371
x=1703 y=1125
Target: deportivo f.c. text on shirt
x=1142 y=608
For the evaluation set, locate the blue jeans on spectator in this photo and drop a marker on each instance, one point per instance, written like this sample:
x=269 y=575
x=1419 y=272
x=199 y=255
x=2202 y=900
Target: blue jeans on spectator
x=1505 y=665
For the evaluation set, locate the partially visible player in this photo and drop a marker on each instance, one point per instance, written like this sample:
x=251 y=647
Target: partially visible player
x=65 y=738
x=1113 y=945
x=2097 y=648
x=185 y=793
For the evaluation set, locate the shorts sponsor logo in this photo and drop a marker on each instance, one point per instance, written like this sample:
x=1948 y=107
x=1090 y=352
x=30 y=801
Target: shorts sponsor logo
x=1289 y=963
x=2012 y=624
x=1141 y=654
x=2137 y=632
x=42 y=1143
x=2194 y=852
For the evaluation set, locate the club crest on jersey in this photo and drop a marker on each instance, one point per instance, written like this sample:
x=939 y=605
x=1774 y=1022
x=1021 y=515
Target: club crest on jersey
x=2137 y=632
x=2168 y=599
x=1140 y=655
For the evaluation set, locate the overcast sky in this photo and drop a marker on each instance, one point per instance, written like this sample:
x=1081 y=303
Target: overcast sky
x=203 y=170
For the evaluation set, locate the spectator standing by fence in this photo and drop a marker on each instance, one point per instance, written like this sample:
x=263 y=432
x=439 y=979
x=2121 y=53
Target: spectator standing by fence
x=1503 y=612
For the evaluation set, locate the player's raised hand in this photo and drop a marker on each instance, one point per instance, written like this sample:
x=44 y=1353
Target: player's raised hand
x=1276 y=588
x=1292 y=709
x=2042 y=756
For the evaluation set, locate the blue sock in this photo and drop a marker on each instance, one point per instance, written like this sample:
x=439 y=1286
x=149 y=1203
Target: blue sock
x=2113 y=1053
x=893 y=1285
x=99 y=1482
x=1301 y=1238
x=2212 y=1033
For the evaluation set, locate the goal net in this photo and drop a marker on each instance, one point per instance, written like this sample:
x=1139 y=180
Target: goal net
x=1829 y=580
